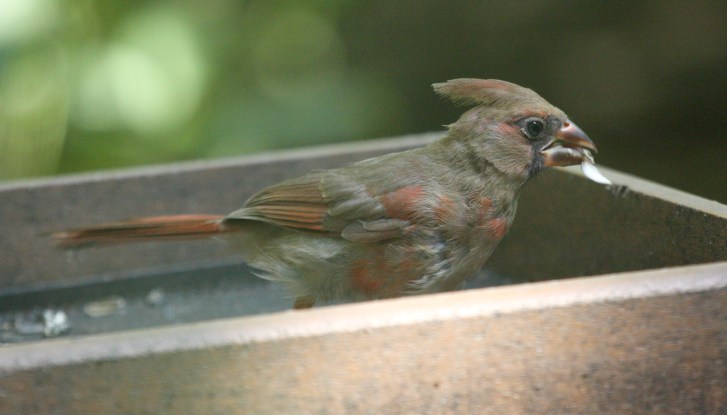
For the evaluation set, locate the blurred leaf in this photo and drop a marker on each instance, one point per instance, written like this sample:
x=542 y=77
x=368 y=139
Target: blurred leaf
x=33 y=112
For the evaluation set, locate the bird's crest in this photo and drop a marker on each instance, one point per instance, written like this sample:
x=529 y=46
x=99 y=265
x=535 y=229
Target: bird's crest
x=488 y=92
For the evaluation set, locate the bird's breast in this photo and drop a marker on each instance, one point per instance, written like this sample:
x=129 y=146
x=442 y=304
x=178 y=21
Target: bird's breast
x=474 y=217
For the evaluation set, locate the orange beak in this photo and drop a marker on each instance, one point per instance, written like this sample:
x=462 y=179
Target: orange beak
x=568 y=147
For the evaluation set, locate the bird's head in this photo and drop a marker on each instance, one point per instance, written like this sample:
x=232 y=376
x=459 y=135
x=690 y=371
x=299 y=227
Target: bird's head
x=513 y=128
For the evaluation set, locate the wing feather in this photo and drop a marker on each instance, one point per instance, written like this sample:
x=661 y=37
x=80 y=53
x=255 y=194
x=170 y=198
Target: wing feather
x=333 y=204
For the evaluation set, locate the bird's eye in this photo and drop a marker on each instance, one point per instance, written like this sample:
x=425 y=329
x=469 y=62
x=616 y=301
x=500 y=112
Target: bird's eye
x=534 y=127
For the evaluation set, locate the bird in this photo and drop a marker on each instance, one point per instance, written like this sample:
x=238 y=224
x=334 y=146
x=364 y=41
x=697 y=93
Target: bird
x=413 y=222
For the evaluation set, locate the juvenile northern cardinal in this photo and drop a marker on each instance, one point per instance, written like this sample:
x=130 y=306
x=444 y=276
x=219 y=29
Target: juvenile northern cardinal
x=414 y=222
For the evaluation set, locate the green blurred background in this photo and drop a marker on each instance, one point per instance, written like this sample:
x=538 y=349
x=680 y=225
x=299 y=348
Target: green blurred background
x=88 y=85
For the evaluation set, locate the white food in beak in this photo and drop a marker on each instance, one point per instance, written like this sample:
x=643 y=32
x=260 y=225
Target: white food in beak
x=589 y=170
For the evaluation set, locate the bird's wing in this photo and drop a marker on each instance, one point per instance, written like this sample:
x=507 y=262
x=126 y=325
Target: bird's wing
x=295 y=203
x=334 y=204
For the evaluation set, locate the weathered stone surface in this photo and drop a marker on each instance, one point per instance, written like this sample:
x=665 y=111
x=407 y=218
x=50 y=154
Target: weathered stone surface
x=652 y=341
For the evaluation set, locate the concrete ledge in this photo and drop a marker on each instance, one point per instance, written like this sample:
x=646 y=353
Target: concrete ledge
x=647 y=335
x=649 y=341
x=566 y=226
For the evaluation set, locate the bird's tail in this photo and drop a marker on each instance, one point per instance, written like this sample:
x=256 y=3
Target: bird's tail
x=173 y=227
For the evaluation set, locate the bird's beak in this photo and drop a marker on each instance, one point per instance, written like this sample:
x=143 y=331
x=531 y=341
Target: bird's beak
x=569 y=147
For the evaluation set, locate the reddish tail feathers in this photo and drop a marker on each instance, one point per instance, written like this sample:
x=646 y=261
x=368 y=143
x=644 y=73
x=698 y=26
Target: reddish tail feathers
x=171 y=227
